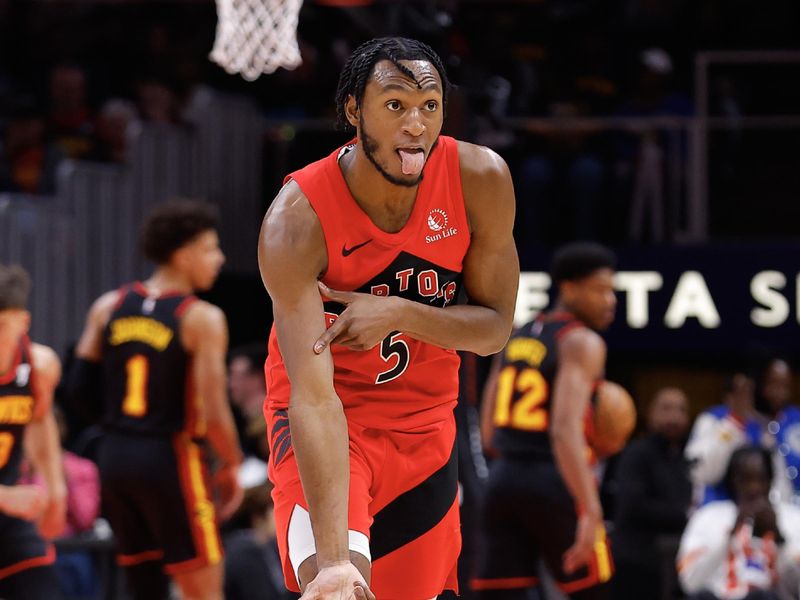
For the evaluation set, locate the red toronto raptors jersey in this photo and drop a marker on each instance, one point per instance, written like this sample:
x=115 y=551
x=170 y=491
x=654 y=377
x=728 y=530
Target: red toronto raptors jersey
x=402 y=382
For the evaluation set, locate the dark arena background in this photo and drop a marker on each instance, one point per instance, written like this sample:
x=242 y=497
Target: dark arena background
x=665 y=129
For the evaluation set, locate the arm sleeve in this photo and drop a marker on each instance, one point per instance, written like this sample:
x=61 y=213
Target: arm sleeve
x=710 y=446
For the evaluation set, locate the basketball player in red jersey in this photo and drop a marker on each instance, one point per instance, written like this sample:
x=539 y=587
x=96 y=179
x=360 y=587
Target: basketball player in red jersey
x=28 y=375
x=154 y=355
x=365 y=254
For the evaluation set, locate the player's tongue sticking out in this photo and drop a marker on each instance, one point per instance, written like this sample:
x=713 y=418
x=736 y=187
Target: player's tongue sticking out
x=412 y=161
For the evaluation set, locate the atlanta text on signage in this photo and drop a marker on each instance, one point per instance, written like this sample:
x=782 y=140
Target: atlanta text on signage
x=690 y=298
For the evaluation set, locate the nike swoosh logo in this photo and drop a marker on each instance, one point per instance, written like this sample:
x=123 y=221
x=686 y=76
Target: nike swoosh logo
x=348 y=251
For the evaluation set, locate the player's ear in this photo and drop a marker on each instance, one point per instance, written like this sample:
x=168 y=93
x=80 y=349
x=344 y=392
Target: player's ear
x=567 y=290
x=26 y=319
x=351 y=110
x=181 y=258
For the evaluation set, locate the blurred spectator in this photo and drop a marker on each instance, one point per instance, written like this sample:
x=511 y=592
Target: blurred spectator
x=577 y=181
x=70 y=119
x=486 y=125
x=653 y=93
x=653 y=500
x=253 y=568
x=741 y=549
x=644 y=159
x=717 y=433
x=755 y=413
x=773 y=401
x=157 y=102
x=113 y=131
x=247 y=389
x=562 y=182
x=27 y=162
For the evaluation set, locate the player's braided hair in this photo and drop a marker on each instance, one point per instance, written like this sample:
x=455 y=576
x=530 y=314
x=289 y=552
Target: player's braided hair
x=15 y=286
x=358 y=68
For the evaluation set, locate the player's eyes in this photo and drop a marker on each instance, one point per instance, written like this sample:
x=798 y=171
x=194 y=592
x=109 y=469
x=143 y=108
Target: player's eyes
x=393 y=105
x=432 y=105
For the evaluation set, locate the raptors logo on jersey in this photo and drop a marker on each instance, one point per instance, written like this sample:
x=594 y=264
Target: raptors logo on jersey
x=401 y=377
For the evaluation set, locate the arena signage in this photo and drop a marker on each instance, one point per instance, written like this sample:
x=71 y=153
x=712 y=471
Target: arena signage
x=695 y=298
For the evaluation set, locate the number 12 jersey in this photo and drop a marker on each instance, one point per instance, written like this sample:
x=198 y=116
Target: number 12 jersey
x=525 y=384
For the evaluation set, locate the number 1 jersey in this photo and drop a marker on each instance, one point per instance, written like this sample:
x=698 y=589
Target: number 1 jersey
x=147 y=375
x=402 y=383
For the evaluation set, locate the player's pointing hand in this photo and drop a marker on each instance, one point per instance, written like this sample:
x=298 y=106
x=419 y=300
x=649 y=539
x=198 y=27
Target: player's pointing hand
x=340 y=297
x=364 y=323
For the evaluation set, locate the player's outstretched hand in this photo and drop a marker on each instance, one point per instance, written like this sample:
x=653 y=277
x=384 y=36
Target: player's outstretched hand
x=230 y=492
x=364 y=323
x=54 y=518
x=23 y=501
x=580 y=553
x=338 y=582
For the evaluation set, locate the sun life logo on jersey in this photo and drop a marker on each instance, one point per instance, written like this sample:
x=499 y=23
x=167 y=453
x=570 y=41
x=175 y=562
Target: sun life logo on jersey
x=437 y=219
x=437 y=222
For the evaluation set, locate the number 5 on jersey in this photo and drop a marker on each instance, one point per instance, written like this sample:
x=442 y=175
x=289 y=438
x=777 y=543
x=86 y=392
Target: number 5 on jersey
x=137 y=369
x=393 y=348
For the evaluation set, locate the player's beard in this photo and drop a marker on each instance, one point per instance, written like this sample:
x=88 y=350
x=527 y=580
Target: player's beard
x=371 y=149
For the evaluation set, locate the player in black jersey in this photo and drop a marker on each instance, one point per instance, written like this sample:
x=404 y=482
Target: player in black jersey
x=29 y=515
x=158 y=353
x=542 y=499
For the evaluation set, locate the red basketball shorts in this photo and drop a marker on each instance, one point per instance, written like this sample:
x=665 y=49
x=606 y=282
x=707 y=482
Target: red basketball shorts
x=403 y=508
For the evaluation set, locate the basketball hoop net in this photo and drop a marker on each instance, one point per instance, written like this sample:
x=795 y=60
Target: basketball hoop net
x=256 y=36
